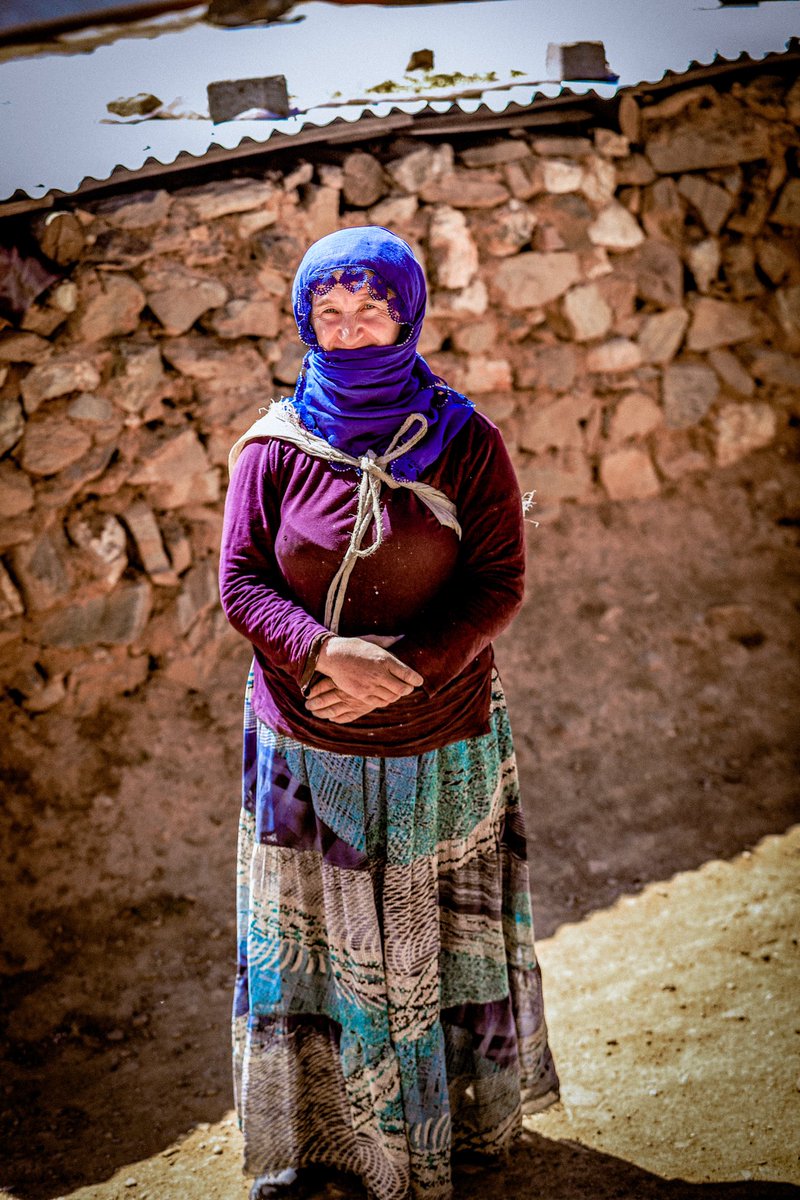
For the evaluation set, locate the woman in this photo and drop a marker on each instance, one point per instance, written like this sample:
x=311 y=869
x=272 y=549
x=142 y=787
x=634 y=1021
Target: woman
x=388 y=1009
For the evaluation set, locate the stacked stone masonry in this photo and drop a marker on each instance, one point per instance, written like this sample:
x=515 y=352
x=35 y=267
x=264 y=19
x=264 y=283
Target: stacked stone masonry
x=625 y=305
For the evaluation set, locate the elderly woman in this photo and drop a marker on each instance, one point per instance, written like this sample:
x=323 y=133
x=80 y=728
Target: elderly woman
x=388 y=1010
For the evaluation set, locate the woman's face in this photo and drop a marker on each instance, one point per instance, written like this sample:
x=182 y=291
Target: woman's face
x=344 y=320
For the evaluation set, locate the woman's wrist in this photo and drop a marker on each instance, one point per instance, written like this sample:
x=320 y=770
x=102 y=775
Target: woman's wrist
x=312 y=663
x=324 y=649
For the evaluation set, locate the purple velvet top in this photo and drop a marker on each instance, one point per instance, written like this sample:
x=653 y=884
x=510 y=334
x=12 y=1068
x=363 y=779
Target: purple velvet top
x=288 y=519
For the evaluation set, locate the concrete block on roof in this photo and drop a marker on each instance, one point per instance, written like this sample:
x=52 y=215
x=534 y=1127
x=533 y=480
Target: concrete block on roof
x=229 y=97
x=578 y=60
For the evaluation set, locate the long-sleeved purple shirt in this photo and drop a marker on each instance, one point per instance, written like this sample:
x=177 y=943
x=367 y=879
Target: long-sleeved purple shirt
x=288 y=519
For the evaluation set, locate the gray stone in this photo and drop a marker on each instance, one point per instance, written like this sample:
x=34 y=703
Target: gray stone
x=23 y=348
x=50 y=444
x=739 y=267
x=57 y=376
x=659 y=274
x=547 y=368
x=628 y=474
x=704 y=260
x=396 y=210
x=611 y=144
x=287 y=368
x=178 y=307
x=138 y=379
x=773 y=367
x=577 y=61
x=140 y=211
x=452 y=247
x=718 y=323
x=197 y=596
x=689 y=391
x=561 y=175
x=787 y=210
x=60 y=236
x=115 y=620
x=663 y=211
x=471 y=301
x=587 y=312
x=559 y=475
x=707 y=142
x=493 y=154
x=616 y=228
x=524 y=178
x=562 y=147
x=12 y=424
x=487 y=375
x=531 y=279
x=144 y=530
x=220 y=199
x=661 y=335
x=465 y=189
x=321 y=209
x=732 y=373
x=41 y=572
x=16 y=492
x=776 y=258
x=227 y=98
x=786 y=302
x=422 y=166
x=559 y=424
x=246 y=318
x=635 y=416
x=59 y=489
x=204 y=360
x=10 y=600
x=93 y=409
x=741 y=428
x=363 y=181
x=102 y=539
x=599 y=182
x=110 y=306
x=713 y=203
x=176 y=457
x=134 y=106
x=179 y=547
x=634 y=171
x=677 y=453
x=507 y=229
x=618 y=354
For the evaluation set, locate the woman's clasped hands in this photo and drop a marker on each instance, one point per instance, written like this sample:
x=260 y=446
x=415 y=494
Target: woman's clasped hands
x=359 y=675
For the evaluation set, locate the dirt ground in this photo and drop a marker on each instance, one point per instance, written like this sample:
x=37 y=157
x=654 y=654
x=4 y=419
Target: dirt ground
x=653 y=686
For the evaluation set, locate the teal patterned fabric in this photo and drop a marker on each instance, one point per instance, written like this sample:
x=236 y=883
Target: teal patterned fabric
x=388 y=1009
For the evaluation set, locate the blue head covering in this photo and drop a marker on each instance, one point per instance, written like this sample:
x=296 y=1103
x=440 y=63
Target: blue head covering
x=358 y=399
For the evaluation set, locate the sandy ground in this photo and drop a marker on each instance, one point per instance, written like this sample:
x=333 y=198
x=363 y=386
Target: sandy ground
x=653 y=688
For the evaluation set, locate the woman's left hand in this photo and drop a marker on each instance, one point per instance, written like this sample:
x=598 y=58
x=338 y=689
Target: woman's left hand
x=327 y=701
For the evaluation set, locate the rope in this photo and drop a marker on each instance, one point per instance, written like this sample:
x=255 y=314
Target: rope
x=281 y=422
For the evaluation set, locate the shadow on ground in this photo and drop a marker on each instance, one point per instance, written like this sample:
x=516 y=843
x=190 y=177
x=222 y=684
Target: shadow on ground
x=565 y=1171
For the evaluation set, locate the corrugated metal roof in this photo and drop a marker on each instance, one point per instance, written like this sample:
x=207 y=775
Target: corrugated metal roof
x=53 y=115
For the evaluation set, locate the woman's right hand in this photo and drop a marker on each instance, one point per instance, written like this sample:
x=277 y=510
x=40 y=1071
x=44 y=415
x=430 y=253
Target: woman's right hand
x=366 y=671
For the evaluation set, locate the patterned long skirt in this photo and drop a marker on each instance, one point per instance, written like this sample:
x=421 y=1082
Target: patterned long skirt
x=388 y=1009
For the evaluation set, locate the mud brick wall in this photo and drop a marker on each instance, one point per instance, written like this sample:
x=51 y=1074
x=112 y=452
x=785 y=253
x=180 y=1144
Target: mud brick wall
x=625 y=305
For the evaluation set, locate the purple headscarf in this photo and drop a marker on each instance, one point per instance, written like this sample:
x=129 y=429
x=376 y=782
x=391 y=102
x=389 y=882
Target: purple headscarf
x=358 y=399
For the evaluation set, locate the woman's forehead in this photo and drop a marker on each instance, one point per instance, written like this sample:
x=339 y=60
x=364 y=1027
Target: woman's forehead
x=339 y=293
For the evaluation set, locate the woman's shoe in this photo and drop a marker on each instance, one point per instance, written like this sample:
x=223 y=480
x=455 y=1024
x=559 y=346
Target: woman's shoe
x=288 y=1185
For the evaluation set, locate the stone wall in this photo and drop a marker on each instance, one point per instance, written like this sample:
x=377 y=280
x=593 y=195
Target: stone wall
x=625 y=305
